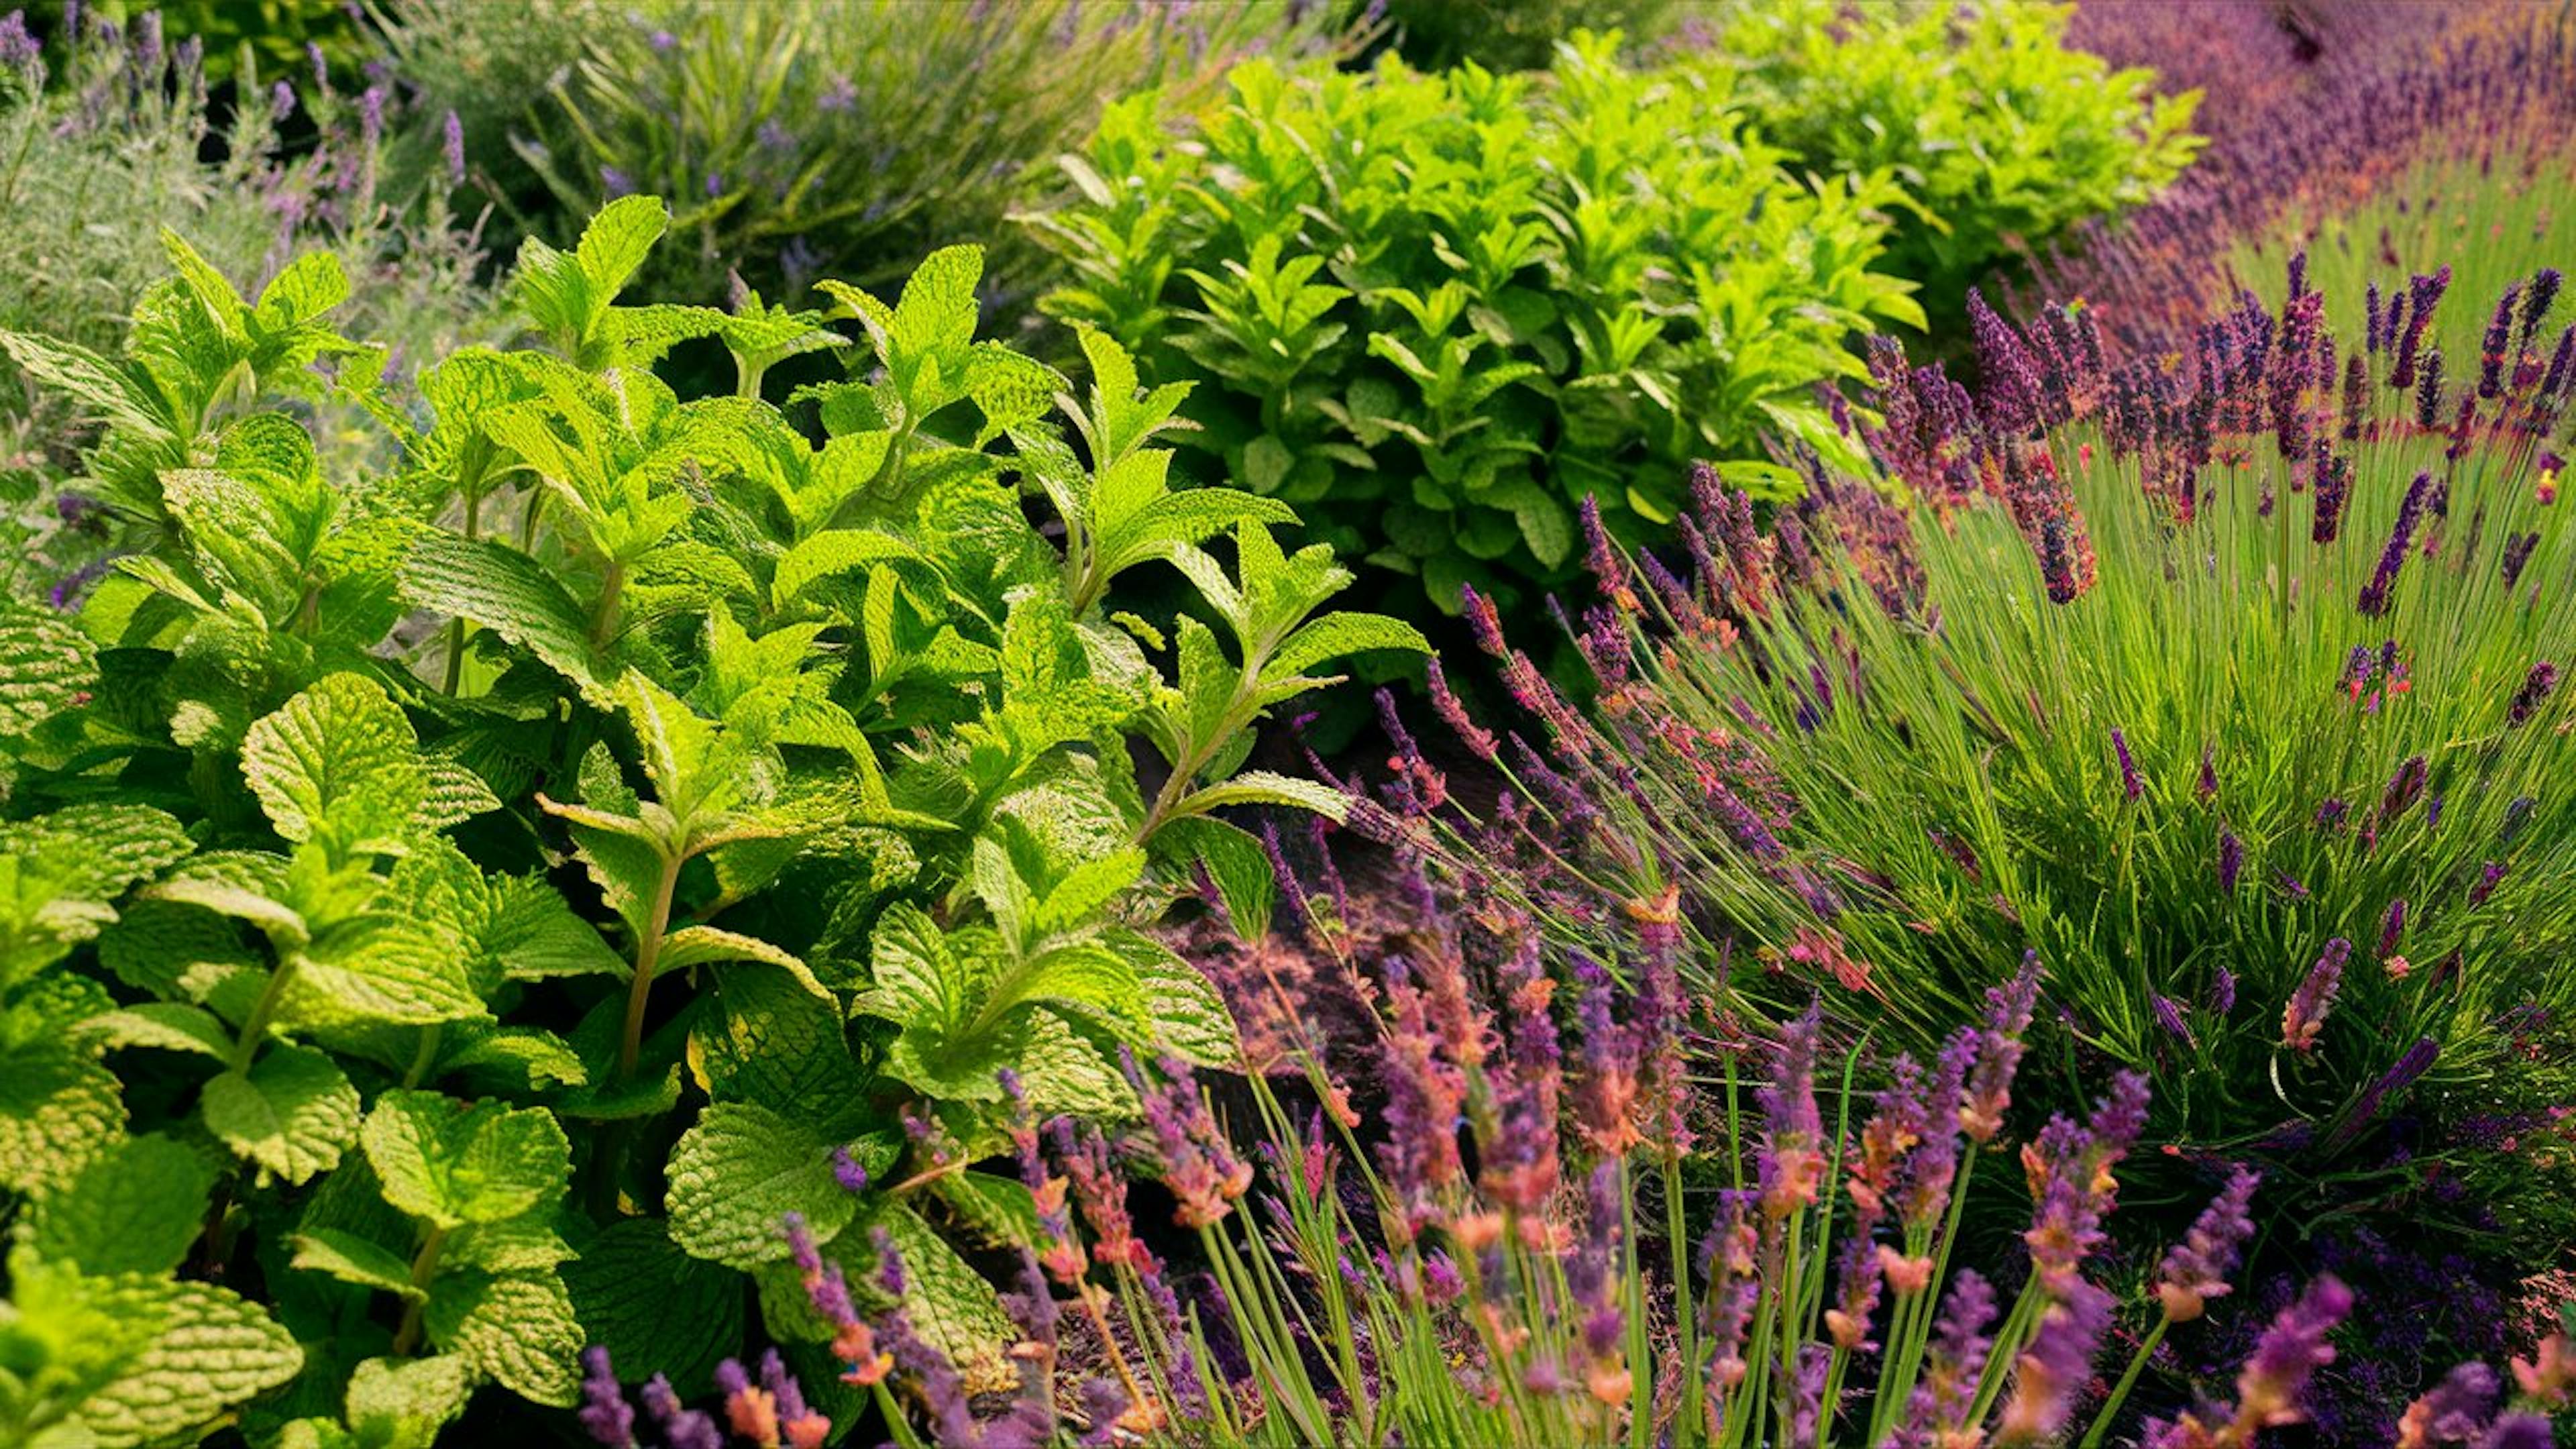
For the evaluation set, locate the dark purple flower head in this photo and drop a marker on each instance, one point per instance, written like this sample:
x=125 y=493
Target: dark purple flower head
x=2130 y=785
x=682 y=1427
x=2231 y=861
x=605 y=1414
x=18 y=46
x=2207 y=787
x=2492 y=358
x=2222 y=991
x=2392 y=927
x=2008 y=1013
x=2428 y=391
x=846 y=1171
x=2519 y=1431
x=2534 y=692
x=2401 y=542
x=2454 y=1410
x=2169 y=1015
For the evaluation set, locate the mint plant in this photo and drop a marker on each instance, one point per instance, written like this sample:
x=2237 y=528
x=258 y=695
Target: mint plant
x=437 y=902
x=1436 y=312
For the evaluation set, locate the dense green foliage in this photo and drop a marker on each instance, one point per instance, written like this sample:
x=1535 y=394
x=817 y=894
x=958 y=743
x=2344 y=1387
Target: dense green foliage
x=1435 y=312
x=801 y=138
x=2001 y=135
x=331 y=938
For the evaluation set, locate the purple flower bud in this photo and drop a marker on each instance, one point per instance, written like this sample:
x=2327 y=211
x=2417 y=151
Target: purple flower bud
x=2535 y=306
x=2196 y=1269
x=682 y=1427
x=2519 y=1431
x=2428 y=392
x=2207 y=788
x=2392 y=927
x=18 y=46
x=2130 y=785
x=281 y=101
x=2222 y=991
x=2305 y=1017
x=846 y=1171
x=2275 y=1378
x=2231 y=861
x=452 y=147
x=2491 y=358
x=2374 y=598
x=605 y=1414
x=2534 y=691
x=2517 y=553
x=2488 y=879
x=2169 y=1015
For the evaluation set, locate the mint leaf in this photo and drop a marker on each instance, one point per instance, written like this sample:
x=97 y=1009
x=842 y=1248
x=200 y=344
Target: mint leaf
x=58 y=1109
x=737 y=1175
x=653 y=1307
x=338 y=760
x=292 y=1113
x=134 y=1208
x=46 y=666
x=452 y=1165
x=518 y=1327
x=403 y=1403
x=350 y=1258
x=503 y=590
x=163 y=1361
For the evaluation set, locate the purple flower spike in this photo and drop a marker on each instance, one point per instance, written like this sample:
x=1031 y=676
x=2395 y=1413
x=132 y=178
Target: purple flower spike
x=2454 y=1410
x=2291 y=1351
x=2130 y=785
x=605 y=1414
x=2305 y=1016
x=2401 y=542
x=2222 y=992
x=846 y=1171
x=2534 y=692
x=2197 y=1268
x=2231 y=861
x=2392 y=926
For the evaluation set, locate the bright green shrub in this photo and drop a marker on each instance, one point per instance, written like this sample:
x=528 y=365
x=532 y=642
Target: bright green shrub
x=1435 y=312
x=338 y=982
x=801 y=138
x=2000 y=134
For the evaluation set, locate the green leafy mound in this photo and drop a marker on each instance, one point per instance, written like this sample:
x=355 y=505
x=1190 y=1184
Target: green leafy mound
x=353 y=820
x=1434 y=312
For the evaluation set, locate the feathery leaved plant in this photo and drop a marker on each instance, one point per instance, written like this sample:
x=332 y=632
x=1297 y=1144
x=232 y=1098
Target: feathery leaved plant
x=1464 y=1265
x=452 y=914
x=2232 y=689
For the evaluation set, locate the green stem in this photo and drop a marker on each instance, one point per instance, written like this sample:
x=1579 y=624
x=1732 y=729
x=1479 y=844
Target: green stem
x=424 y=1058
x=2120 y=1390
x=456 y=628
x=648 y=950
x=603 y=617
x=255 y=1027
x=747 y=373
x=424 y=1267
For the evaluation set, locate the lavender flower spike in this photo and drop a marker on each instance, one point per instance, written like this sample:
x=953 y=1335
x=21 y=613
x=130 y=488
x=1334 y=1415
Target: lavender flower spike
x=2305 y=1016
x=2196 y=1269
x=2130 y=785
x=605 y=1414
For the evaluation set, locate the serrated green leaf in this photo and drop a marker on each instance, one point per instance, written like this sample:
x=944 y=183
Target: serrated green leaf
x=512 y=595
x=292 y=1113
x=404 y=1403
x=736 y=1176
x=518 y=1327
x=1335 y=636
x=58 y=1110
x=146 y=1360
x=382 y=967
x=1262 y=787
x=772 y=1042
x=168 y=1025
x=343 y=1255
x=451 y=1165
x=947 y=1301
x=339 y=761
x=46 y=666
x=653 y=1307
x=1189 y=1015
x=134 y=1208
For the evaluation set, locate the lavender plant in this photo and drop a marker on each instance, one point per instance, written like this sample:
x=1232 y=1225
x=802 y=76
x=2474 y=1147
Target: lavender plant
x=1482 y=1260
x=462 y=908
x=105 y=145
x=797 y=139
